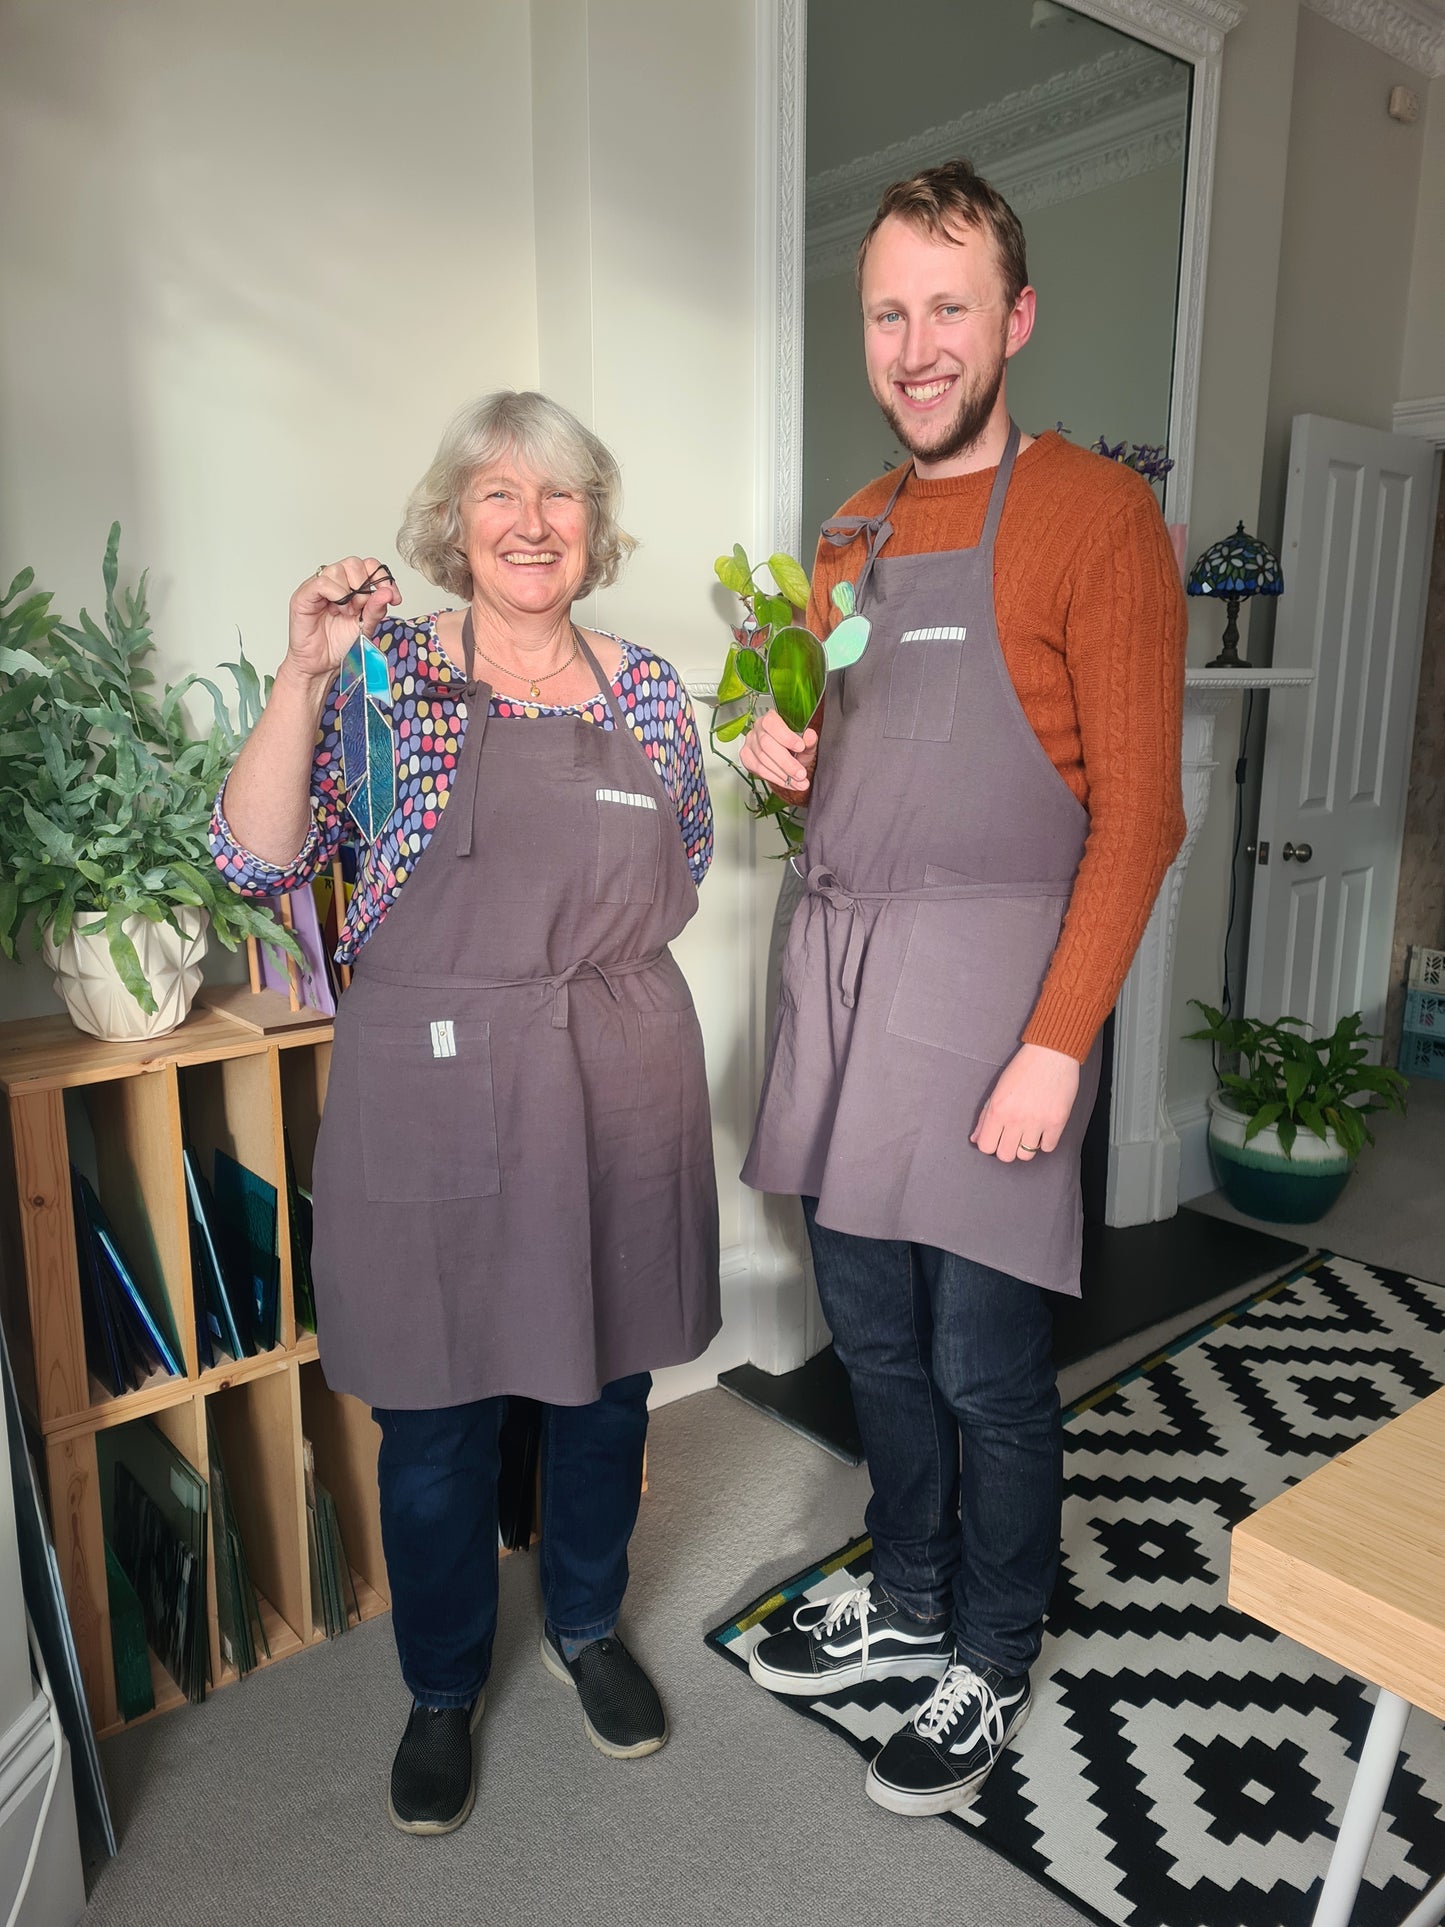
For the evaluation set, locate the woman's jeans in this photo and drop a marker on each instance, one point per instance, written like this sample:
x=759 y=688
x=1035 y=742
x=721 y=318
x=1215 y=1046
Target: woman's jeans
x=438 y=1477
x=951 y=1366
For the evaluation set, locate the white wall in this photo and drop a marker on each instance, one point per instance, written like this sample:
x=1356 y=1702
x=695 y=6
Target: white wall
x=255 y=256
x=644 y=172
x=1422 y=374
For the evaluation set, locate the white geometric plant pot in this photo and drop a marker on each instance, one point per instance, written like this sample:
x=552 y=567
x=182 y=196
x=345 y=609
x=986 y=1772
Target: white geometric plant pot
x=98 y=1002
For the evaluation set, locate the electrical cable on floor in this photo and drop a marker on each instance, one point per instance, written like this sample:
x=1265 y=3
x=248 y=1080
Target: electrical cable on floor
x=57 y=1741
x=1241 y=767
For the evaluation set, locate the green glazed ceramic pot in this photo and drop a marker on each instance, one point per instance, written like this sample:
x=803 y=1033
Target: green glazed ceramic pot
x=1259 y=1179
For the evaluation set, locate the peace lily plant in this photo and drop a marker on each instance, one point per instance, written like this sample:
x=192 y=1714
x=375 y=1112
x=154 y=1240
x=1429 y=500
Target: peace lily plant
x=105 y=795
x=1290 y=1121
x=774 y=657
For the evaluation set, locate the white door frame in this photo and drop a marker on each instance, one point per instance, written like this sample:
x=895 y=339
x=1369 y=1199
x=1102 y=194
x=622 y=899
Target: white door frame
x=1144 y=1150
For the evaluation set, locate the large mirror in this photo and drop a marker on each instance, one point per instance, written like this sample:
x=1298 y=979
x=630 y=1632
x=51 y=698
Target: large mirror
x=1084 y=129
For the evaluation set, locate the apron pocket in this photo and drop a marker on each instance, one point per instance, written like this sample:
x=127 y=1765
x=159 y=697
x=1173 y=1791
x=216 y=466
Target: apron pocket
x=628 y=846
x=428 y=1117
x=923 y=684
x=973 y=970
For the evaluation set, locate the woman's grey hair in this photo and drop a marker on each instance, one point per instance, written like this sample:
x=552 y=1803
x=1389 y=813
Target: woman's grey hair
x=547 y=439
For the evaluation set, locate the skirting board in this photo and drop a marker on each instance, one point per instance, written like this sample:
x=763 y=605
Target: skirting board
x=1196 y=1173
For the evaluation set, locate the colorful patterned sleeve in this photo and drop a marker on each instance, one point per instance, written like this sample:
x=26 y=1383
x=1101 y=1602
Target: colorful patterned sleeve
x=661 y=714
x=252 y=876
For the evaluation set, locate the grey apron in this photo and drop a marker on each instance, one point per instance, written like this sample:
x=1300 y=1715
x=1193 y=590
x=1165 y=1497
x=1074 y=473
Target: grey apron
x=514 y=1185
x=941 y=851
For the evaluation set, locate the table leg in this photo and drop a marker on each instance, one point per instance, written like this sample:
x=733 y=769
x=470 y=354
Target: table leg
x=1362 y=1810
x=1431 y=1910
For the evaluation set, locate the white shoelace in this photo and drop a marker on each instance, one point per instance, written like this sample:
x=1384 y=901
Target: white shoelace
x=855 y=1604
x=959 y=1687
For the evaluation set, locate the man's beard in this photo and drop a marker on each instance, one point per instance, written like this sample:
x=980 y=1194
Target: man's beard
x=970 y=422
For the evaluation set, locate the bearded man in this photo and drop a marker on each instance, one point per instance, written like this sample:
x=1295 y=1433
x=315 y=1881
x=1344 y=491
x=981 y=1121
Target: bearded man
x=996 y=801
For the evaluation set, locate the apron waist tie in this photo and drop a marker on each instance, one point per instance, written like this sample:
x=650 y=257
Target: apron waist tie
x=557 y=983
x=822 y=882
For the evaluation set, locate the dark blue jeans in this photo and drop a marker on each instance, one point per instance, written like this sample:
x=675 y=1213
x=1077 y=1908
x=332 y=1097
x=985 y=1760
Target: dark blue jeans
x=951 y=1366
x=438 y=1477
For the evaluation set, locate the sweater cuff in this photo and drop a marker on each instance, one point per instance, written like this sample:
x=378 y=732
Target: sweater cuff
x=1063 y=1023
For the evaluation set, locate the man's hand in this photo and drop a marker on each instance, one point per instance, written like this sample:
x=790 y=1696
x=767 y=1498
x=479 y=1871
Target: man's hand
x=778 y=754
x=1029 y=1105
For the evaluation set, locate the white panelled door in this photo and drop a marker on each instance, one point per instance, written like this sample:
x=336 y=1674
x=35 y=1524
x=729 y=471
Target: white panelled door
x=1358 y=519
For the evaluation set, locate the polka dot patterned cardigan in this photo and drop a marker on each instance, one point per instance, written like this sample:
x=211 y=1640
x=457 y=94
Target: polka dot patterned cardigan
x=428 y=720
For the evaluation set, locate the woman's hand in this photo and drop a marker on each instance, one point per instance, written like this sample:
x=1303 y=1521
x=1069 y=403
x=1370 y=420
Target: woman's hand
x=1029 y=1106
x=778 y=754
x=329 y=608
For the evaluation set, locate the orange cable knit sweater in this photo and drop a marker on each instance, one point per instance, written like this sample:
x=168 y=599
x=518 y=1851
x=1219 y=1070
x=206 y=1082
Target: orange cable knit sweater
x=1091 y=616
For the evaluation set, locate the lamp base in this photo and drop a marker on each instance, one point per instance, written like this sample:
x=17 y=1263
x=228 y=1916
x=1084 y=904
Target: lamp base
x=1229 y=656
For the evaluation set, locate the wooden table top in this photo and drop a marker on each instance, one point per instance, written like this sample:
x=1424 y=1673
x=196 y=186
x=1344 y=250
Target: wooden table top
x=1351 y=1561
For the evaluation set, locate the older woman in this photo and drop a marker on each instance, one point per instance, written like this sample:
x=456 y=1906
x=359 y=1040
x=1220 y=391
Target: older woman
x=514 y=1178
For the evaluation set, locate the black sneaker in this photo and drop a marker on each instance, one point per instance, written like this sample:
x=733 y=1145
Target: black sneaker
x=431 y=1777
x=833 y=1643
x=620 y=1708
x=939 y=1761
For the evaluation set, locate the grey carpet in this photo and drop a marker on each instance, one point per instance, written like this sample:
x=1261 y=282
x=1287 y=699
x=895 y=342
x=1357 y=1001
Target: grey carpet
x=268 y=1802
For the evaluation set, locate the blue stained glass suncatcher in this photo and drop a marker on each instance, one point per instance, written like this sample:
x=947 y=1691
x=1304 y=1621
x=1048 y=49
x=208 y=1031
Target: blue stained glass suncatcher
x=368 y=745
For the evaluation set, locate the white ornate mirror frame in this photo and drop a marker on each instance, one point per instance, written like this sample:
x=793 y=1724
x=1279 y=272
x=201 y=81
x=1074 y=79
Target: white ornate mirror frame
x=1144 y=1150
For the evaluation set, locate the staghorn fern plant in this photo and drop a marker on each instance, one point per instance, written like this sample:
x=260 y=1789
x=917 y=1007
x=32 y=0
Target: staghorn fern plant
x=105 y=796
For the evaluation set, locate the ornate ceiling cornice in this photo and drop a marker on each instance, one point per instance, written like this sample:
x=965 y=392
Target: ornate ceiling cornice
x=1115 y=117
x=1410 y=31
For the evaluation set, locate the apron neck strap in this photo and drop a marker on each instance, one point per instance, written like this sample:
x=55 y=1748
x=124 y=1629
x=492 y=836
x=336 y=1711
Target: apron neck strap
x=479 y=708
x=1002 y=477
x=604 y=682
x=843 y=529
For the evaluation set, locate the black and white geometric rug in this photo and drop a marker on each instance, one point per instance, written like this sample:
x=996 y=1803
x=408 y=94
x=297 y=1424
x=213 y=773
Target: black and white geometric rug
x=1184 y=1766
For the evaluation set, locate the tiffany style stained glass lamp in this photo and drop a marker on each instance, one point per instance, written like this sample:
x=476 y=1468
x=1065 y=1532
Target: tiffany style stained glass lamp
x=1238 y=567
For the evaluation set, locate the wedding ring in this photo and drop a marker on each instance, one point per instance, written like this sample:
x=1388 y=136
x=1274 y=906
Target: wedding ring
x=1031 y=1148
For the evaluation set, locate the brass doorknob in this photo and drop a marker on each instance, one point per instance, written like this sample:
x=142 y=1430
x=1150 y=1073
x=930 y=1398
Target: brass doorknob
x=1297 y=852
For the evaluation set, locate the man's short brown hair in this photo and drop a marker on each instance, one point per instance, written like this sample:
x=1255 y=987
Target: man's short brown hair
x=943 y=199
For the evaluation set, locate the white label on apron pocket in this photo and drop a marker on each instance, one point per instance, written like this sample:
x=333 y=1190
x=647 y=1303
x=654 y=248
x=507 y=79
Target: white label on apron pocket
x=973 y=970
x=628 y=846
x=923 y=683
x=443 y=1038
x=428 y=1118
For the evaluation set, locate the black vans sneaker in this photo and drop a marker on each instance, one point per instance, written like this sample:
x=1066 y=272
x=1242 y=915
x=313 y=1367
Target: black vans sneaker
x=862 y=1634
x=431 y=1777
x=620 y=1708
x=939 y=1761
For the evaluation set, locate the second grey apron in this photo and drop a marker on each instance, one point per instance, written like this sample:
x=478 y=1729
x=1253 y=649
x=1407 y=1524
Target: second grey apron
x=514 y=1188
x=942 y=847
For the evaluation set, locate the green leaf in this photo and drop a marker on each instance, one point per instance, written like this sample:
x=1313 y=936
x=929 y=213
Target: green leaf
x=1312 y=1120
x=752 y=670
x=1262 y=1120
x=739 y=726
x=731 y=575
x=50 y=836
x=772 y=611
x=16 y=662
x=18 y=587
x=791 y=579
x=847 y=642
x=1288 y=1130
x=797 y=675
x=1296 y=1081
x=731 y=685
x=123 y=956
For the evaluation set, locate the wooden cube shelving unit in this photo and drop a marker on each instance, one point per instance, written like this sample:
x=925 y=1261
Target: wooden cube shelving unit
x=235 y=1088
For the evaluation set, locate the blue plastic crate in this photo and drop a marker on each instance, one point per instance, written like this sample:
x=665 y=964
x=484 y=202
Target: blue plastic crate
x=1425 y=1011
x=1422 y=1053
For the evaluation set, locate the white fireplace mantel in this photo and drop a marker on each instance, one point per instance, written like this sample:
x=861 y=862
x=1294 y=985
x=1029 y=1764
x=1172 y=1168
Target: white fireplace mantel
x=1143 y=1184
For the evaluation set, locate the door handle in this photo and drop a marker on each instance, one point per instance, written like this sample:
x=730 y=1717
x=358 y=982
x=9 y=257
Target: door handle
x=1297 y=852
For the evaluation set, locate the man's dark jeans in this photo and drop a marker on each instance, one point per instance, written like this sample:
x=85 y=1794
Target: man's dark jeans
x=438 y=1477
x=951 y=1366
